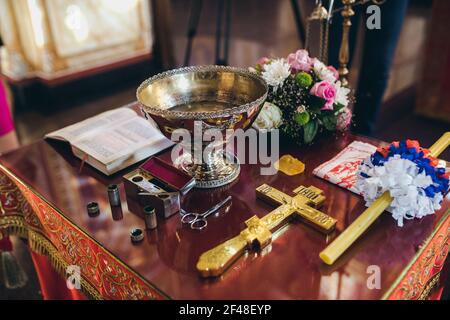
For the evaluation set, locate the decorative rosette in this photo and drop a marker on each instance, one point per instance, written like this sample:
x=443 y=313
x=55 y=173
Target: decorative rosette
x=415 y=180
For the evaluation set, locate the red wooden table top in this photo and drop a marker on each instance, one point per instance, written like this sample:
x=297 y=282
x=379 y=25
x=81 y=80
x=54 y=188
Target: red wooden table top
x=291 y=269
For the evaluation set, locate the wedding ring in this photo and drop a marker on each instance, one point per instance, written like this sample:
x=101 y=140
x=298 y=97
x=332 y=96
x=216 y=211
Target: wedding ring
x=93 y=209
x=136 y=235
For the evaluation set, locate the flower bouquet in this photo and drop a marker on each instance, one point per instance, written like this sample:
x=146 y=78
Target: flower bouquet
x=305 y=98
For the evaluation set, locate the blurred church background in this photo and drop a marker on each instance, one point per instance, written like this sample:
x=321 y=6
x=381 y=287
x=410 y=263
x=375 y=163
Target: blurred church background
x=67 y=60
x=71 y=59
x=52 y=40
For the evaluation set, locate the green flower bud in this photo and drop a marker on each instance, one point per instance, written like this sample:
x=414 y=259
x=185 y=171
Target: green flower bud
x=304 y=79
x=302 y=118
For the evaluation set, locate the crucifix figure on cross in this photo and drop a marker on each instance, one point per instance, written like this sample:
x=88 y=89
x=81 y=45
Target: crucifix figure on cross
x=258 y=233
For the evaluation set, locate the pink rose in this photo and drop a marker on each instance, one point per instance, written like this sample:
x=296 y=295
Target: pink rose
x=335 y=72
x=262 y=61
x=300 y=61
x=324 y=90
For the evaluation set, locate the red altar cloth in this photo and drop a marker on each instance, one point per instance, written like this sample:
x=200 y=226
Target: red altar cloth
x=43 y=195
x=53 y=286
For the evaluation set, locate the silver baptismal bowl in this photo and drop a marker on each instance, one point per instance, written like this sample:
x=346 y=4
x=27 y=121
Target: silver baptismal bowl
x=204 y=97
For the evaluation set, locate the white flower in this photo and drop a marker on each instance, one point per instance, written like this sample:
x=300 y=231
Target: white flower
x=341 y=94
x=301 y=109
x=269 y=118
x=322 y=71
x=405 y=184
x=276 y=72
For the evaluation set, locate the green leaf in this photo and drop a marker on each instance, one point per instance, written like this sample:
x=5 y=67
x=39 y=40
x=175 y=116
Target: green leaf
x=329 y=122
x=316 y=103
x=338 y=106
x=310 y=131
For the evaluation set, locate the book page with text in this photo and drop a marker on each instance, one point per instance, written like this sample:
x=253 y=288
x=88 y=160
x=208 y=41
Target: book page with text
x=91 y=126
x=123 y=139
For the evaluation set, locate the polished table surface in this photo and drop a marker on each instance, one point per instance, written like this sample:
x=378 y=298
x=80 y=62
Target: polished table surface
x=289 y=269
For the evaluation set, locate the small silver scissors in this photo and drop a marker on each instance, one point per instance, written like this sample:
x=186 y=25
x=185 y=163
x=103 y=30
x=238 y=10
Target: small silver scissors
x=197 y=221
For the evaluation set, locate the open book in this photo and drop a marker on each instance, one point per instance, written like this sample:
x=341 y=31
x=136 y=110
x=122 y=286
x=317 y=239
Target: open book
x=113 y=140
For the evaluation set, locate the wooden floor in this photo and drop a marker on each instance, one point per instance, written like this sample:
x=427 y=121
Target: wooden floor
x=259 y=28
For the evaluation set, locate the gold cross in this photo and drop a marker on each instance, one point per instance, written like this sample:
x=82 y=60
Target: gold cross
x=306 y=201
x=258 y=233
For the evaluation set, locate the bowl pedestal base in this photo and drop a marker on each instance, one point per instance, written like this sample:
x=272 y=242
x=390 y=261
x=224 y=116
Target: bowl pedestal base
x=218 y=169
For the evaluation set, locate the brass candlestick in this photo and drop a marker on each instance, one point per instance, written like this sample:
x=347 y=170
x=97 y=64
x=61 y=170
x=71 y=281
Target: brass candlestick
x=344 y=55
x=347 y=13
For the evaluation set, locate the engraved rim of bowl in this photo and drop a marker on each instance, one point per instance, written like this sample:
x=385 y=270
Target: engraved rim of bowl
x=205 y=114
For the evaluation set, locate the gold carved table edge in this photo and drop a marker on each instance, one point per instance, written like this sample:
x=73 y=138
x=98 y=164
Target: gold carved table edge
x=31 y=226
x=408 y=285
x=422 y=274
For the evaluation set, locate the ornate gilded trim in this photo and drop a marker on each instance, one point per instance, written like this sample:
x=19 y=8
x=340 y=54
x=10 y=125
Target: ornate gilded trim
x=422 y=273
x=103 y=275
x=15 y=225
x=429 y=287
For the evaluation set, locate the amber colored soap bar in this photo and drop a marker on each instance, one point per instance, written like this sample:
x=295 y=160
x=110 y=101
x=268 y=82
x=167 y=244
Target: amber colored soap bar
x=289 y=165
